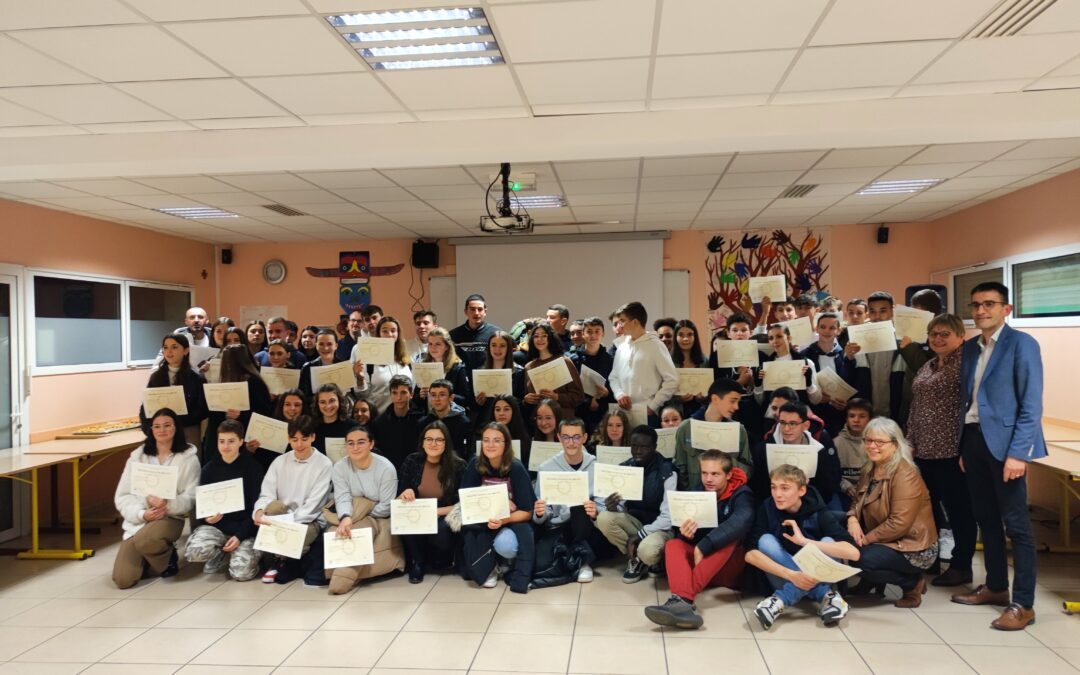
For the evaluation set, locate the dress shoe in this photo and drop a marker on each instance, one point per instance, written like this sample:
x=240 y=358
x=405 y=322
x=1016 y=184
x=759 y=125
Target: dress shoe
x=416 y=573
x=952 y=577
x=1015 y=617
x=912 y=598
x=982 y=595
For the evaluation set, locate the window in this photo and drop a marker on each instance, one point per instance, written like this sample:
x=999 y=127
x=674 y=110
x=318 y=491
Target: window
x=155 y=312
x=965 y=280
x=1047 y=288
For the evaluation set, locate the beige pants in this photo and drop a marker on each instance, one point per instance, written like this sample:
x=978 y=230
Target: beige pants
x=389 y=553
x=152 y=543
x=619 y=527
x=277 y=508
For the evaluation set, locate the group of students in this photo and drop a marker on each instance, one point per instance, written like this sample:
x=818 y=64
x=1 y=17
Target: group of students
x=866 y=503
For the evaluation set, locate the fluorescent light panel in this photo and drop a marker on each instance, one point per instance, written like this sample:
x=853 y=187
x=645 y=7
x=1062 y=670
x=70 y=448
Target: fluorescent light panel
x=197 y=212
x=537 y=201
x=408 y=16
x=896 y=187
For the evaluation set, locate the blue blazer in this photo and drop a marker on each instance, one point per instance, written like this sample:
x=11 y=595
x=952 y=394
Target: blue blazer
x=1010 y=395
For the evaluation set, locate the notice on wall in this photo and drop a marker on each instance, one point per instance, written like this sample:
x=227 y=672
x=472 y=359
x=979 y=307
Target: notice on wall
x=260 y=313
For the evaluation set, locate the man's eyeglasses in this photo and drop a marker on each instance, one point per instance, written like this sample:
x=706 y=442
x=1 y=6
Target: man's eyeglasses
x=566 y=438
x=789 y=425
x=985 y=304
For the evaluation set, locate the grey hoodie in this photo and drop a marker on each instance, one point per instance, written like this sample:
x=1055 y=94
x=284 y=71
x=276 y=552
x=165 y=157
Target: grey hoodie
x=557 y=514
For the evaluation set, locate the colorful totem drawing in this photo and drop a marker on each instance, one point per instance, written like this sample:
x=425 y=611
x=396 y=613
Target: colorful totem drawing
x=354 y=273
x=800 y=254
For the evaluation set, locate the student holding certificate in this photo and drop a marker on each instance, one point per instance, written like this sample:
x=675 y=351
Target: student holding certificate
x=361 y=411
x=375 y=379
x=793 y=428
x=445 y=409
x=740 y=329
x=364 y=485
x=546 y=421
x=500 y=356
x=506 y=545
x=255 y=331
x=724 y=396
x=593 y=356
x=226 y=541
x=686 y=353
x=506 y=411
x=329 y=408
x=670 y=417
x=613 y=430
x=642 y=372
x=879 y=376
x=827 y=353
x=431 y=473
x=152 y=524
x=289 y=405
x=397 y=428
x=175 y=370
x=237 y=365
x=217 y=331
x=546 y=347
x=326 y=344
x=441 y=350
x=780 y=341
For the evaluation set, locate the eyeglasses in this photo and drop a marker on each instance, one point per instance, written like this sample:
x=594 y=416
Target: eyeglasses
x=985 y=304
x=566 y=438
x=941 y=334
x=358 y=443
x=163 y=427
x=877 y=442
x=789 y=425
x=436 y=441
x=498 y=440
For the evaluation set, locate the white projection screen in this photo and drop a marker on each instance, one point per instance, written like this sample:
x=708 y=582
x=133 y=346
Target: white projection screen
x=591 y=278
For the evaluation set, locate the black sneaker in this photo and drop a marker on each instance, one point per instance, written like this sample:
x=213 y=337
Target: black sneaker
x=173 y=568
x=676 y=612
x=635 y=571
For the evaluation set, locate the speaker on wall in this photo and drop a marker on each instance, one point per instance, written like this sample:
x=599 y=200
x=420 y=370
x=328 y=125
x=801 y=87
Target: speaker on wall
x=425 y=255
x=226 y=256
x=883 y=235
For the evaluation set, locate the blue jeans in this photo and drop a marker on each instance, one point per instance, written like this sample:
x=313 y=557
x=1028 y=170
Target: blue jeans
x=506 y=543
x=785 y=590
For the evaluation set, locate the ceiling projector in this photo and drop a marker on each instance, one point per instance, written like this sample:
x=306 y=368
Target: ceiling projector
x=507 y=224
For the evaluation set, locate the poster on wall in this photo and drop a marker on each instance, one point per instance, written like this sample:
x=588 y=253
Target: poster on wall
x=354 y=272
x=262 y=313
x=800 y=255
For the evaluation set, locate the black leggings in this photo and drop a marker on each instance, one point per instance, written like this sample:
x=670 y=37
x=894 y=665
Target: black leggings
x=422 y=548
x=883 y=565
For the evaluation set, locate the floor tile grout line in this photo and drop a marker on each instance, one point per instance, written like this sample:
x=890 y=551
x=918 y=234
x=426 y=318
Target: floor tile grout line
x=952 y=647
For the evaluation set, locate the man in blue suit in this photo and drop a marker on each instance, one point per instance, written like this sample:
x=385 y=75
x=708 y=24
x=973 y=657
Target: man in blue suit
x=1002 y=381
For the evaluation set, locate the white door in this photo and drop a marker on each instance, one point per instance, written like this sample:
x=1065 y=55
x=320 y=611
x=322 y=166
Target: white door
x=13 y=427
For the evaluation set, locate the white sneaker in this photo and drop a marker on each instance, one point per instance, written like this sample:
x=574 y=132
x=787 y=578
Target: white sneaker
x=768 y=610
x=832 y=609
x=945 y=544
x=585 y=574
x=492 y=580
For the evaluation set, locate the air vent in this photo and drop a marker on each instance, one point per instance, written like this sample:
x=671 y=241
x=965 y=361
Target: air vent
x=796 y=191
x=1009 y=19
x=283 y=210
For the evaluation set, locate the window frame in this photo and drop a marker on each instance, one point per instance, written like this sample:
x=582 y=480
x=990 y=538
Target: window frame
x=126 y=309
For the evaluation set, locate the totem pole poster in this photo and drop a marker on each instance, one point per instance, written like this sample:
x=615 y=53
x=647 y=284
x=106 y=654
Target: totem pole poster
x=354 y=272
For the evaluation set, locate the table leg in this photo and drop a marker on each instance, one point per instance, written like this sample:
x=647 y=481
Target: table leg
x=1068 y=492
x=36 y=553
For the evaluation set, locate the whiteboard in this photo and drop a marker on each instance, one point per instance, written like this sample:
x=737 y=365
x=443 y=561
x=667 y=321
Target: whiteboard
x=677 y=294
x=444 y=302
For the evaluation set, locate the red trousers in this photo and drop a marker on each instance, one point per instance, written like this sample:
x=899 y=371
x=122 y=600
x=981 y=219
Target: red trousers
x=720 y=568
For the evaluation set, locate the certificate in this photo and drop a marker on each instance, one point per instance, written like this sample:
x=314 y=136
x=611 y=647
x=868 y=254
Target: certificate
x=153 y=480
x=591 y=381
x=515 y=444
x=802 y=456
x=736 y=353
x=694 y=381
x=156 y=398
x=723 y=436
x=227 y=396
x=774 y=288
x=816 y=564
x=279 y=379
x=358 y=549
x=375 y=351
x=419 y=516
x=611 y=454
x=873 y=337
x=423 y=374
x=784 y=374
x=911 y=322
x=493 y=382
x=224 y=497
x=335 y=448
x=638 y=413
x=340 y=374
x=282 y=537
x=551 y=375
x=697 y=506
x=834 y=385
x=802 y=333
x=569 y=488
x=542 y=451
x=200 y=355
x=628 y=481
x=484 y=503
x=665 y=441
x=271 y=434
x=213 y=371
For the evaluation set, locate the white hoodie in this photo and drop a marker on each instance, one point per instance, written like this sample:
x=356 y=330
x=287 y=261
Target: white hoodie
x=643 y=370
x=131 y=506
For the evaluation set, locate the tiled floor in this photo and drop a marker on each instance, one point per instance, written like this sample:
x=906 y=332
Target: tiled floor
x=66 y=617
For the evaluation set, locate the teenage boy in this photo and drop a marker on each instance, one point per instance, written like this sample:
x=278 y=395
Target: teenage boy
x=849 y=447
x=576 y=523
x=371 y=314
x=699 y=557
x=471 y=338
x=227 y=540
x=740 y=327
x=827 y=354
x=785 y=310
x=807 y=305
x=855 y=312
x=792 y=518
x=577 y=335
x=593 y=355
x=642 y=372
x=443 y=409
x=297 y=483
x=424 y=321
x=397 y=429
x=617 y=331
x=724 y=396
x=879 y=377
x=665 y=330
x=793 y=428
x=558 y=317
x=641 y=528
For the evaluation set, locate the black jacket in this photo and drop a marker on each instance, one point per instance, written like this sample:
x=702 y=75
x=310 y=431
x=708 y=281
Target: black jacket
x=478 y=556
x=735 y=517
x=237 y=524
x=813 y=518
x=397 y=437
x=258 y=397
x=193 y=396
x=412 y=471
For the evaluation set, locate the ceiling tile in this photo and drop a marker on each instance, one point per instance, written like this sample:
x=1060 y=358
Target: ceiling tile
x=16 y=115
x=1013 y=167
x=690 y=103
x=417 y=177
x=107 y=187
x=837 y=189
x=861 y=65
x=137 y=127
x=334 y=209
x=357 y=118
x=966 y=183
x=832 y=95
x=917 y=171
x=852 y=175
x=719 y=74
x=862 y=157
x=412 y=207
x=961 y=88
x=328 y=94
x=159 y=202
x=584 y=171
x=381 y=194
x=866 y=21
x=179 y=184
x=86 y=203
x=265 y=181
x=286 y=46
x=587 y=29
x=300 y=197
x=35 y=131
x=741 y=205
x=1061 y=16
x=774 y=161
x=603 y=199
x=685 y=166
x=454 y=193
x=83 y=103
x=765 y=192
x=584 y=81
x=694 y=26
x=38 y=190
x=962 y=152
x=446 y=88
x=333 y=180
x=1002 y=58
x=168 y=10
x=18 y=15
x=603 y=186
x=759 y=179
x=451 y=114
x=247 y=122
x=681 y=183
x=691 y=199
x=20 y=65
x=226 y=200
x=202 y=99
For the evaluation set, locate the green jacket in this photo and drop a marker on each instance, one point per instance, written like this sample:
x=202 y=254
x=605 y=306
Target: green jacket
x=688 y=462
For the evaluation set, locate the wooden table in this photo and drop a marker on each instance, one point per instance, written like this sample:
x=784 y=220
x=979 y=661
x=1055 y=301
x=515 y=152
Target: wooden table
x=1064 y=463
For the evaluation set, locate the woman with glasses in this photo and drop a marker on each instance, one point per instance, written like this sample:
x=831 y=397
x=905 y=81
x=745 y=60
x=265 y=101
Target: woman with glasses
x=890 y=519
x=431 y=473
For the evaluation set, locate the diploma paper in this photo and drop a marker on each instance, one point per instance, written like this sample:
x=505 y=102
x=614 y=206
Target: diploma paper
x=542 y=451
x=419 y=516
x=199 y=355
x=723 y=436
x=151 y=479
x=279 y=379
x=569 y=488
x=213 y=371
x=515 y=444
x=224 y=497
x=834 y=385
x=802 y=333
x=638 y=413
x=784 y=374
x=156 y=398
x=816 y=564
x=484 y=503
x=335 y=448
x=911 y=322
x=873 y=337
x=774 y=288
x=424 y=374
x=358 y=549
x=271 y=434
x=493 y=382
x=802 y=456
x=551 y=375
x=736 y=353
x=611 y=454
x=340 y=374
x=283 y=537
x=699 y=506
x=226 y=396
x=665 y=441
x=591 y=381
x=375 y=351
x=694 y=381
x=628 y=481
